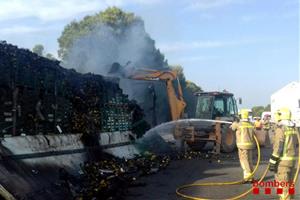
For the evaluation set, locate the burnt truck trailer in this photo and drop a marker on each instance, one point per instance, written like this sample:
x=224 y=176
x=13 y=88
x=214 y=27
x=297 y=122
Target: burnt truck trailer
x=53 y=118
x=39 y=97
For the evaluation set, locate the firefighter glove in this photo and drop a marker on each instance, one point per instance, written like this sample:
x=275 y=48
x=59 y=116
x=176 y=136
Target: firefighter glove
x=273 y=162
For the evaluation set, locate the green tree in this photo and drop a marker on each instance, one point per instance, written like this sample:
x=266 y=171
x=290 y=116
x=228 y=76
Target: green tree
x=191 y=86
x=38 y=49
x=268 y=108
x=179 y=70
x=50 y=56
x=258 y=110
x=189 y=89
x=113 y=17
x=109 y=36
x=186 y=84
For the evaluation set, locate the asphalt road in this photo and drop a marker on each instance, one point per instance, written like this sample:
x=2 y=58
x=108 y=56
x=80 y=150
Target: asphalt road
x=162 y=186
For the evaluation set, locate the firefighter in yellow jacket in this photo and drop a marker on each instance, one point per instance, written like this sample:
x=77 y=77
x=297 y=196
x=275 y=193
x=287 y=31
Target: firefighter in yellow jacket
x=245 y=143
x=283 y=158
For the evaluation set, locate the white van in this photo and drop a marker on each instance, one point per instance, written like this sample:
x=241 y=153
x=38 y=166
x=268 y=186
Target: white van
x=266 y=113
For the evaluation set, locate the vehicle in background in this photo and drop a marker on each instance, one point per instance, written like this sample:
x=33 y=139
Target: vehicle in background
x=266 y=113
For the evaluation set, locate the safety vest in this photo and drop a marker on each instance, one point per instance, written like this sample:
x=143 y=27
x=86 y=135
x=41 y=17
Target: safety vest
x=285 y=148
x=257 y=124
x=244 y=136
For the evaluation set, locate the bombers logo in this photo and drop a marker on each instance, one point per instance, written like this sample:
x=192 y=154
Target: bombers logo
x=268 y=186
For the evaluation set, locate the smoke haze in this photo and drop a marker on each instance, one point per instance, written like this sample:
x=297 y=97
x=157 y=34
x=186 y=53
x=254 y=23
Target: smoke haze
x=104 y=45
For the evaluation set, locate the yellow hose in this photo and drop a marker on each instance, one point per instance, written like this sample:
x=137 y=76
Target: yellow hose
x=235 y=182
x=5 y=194
x=221 y=183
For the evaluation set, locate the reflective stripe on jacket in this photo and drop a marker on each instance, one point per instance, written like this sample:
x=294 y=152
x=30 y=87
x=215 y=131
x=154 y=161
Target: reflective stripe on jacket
x=244 y=136
x=284 y=146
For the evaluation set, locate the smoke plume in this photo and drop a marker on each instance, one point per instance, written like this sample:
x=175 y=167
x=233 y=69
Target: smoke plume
x=105 y=45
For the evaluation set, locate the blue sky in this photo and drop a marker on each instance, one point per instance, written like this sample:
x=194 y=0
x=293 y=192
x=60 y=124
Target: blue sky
x=248 y=47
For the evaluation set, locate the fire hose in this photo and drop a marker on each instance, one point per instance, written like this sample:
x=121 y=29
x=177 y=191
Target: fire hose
x=185 y=196
x=5 y=194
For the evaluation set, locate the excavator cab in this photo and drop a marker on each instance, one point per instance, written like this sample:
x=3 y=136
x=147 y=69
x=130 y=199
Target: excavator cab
x=216 y=106
x=212 y=105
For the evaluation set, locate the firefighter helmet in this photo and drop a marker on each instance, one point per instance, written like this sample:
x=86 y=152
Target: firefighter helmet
x=285 y=114
x=277 y=116
x=244 y=114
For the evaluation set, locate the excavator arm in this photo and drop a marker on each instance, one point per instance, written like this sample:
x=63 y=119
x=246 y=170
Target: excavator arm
x=176 y=101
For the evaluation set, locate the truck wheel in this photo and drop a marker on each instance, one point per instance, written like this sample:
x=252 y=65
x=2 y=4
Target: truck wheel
x=228 y=142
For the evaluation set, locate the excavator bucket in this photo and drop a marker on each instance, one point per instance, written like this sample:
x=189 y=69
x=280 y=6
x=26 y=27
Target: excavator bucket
x=117 y=70
x=115 y=67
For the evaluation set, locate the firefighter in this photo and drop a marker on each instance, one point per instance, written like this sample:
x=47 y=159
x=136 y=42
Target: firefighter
x=257 y=124
x=245 y=144
x=266 y=128
x=283 y=158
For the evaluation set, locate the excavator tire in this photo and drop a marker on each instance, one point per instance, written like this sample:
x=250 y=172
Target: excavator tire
x=228 y=142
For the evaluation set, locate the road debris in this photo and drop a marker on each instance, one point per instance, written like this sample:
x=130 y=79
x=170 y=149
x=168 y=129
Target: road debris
x=110 y=178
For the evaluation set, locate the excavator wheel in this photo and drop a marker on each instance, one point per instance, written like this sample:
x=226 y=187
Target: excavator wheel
x=228 y=142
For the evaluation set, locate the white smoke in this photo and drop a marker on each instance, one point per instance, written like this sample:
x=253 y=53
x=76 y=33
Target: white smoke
x=103 y=46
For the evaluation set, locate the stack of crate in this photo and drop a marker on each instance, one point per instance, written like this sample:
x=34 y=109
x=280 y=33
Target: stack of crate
x=77 y=103
x=116 y=115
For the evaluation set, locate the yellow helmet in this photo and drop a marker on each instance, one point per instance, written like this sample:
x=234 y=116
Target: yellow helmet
x=244 y=114
x=285 y=114
x=277 y=116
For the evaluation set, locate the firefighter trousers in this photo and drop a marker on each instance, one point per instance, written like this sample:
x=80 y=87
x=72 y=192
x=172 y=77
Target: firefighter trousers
x=267 y=140
x=245 y=156
x=285 y=175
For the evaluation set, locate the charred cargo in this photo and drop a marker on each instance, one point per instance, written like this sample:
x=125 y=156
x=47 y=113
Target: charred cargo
x=38 y=96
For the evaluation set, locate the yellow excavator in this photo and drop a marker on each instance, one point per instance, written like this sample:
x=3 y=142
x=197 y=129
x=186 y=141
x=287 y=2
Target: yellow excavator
x=210 y=106
x=176 y=101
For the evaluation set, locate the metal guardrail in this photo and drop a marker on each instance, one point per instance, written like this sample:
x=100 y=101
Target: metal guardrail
x=60 y=152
